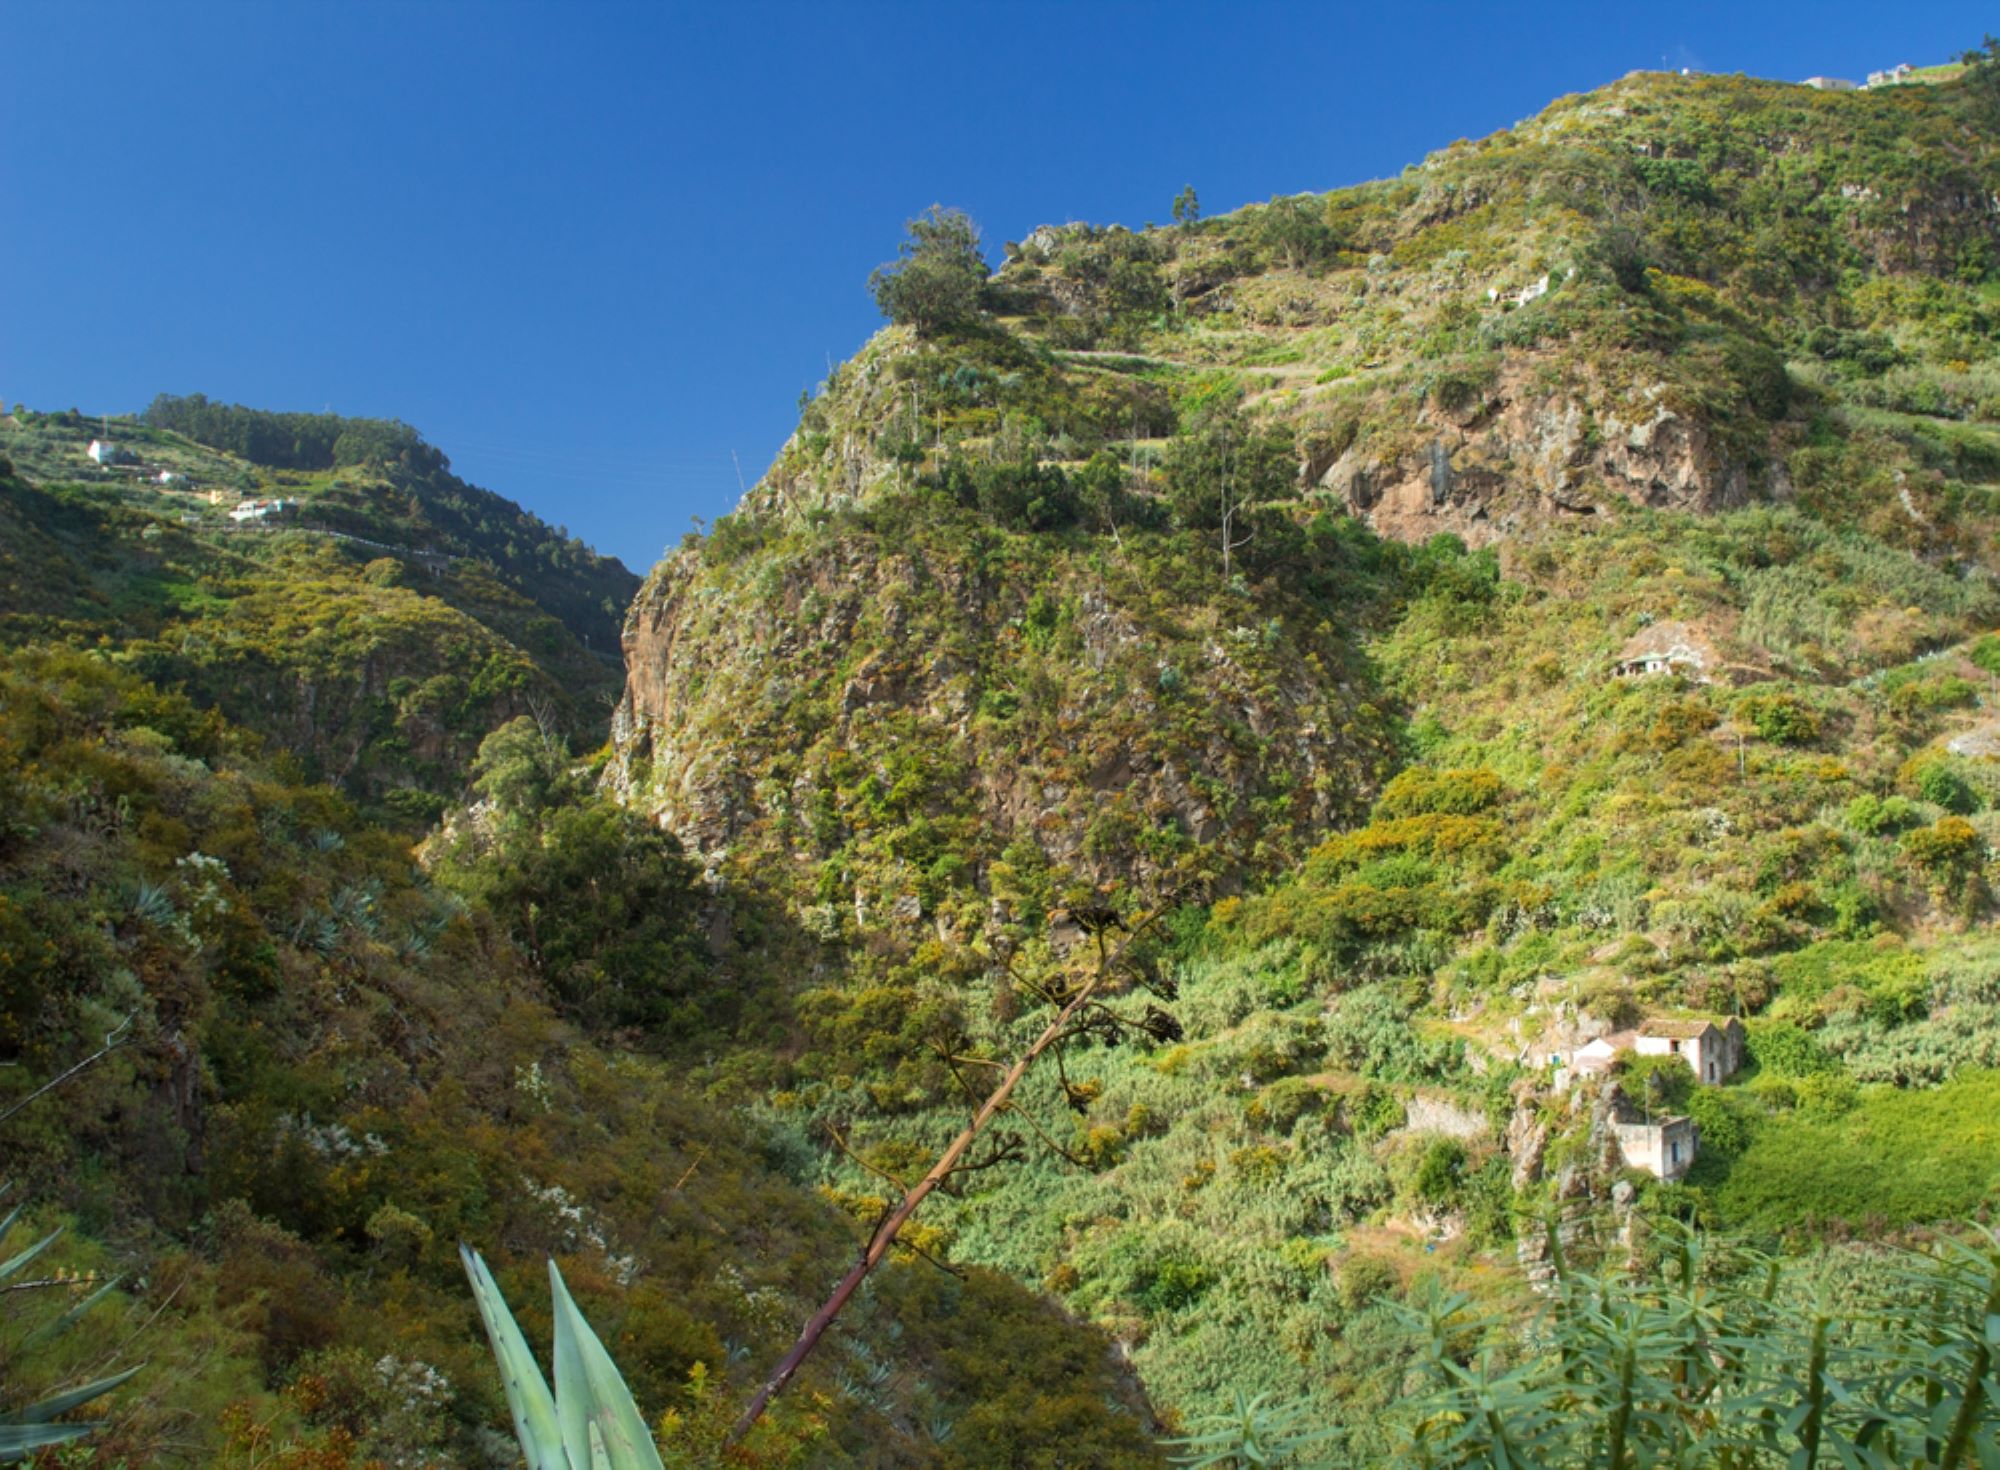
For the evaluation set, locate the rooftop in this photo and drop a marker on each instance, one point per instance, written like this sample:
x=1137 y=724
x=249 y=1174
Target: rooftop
x=1682 y=1030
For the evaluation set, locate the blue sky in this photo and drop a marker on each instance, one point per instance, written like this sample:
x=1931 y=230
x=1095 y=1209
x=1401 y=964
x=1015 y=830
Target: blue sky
x=595 y=250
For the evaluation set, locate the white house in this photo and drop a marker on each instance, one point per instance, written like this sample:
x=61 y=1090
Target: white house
x=103 y=452
x=1667 y=648
x=1664 y=1148
x=1830 y=84
x=166 y=477
x=258 y=510
x=1713 y=1053
x=1900 y=72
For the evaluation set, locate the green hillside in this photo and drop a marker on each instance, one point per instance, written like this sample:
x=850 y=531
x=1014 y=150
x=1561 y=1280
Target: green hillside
x=1278 y=568
x=332 y=1065
x=1278 y=688
x=378 y=625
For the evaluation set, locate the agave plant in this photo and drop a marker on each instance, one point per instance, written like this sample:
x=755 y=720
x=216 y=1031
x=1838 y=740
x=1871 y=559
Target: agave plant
x=590 y=1421
x=1259 y=1432
x=24 y=1431
x=27 y=1430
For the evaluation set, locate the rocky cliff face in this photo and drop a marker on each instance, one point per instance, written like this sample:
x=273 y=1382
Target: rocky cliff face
x=918 y=717
x=1523 y=452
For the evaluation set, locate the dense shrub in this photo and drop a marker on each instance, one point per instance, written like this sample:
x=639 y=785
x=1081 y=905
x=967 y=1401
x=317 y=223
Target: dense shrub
x=1939 y=784
x=1420 y=790
x=1783 y=719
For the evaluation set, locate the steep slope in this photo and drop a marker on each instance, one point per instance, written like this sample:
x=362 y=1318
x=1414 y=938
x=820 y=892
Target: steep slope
x=1129 y=586
x=377 y=625
x=1752 y=291
x=329 y=1067
x=907 y=694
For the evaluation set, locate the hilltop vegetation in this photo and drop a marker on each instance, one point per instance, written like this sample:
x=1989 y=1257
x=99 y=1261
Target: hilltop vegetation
x=406 y=487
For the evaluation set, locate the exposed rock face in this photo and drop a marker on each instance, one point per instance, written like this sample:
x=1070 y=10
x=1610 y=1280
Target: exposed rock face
x=834 y=698
x=1527 y=1143
x=1425 y=1113
x=1522 y=453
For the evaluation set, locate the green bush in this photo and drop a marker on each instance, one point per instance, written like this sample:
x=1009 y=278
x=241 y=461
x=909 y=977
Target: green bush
x=1882 y=816
x=1363 y=1279
x=1783 y=719
x=1172 y=1283
x=1951 y=853
x=1940 y=785
x=1420 y=791
x=1786 y=1050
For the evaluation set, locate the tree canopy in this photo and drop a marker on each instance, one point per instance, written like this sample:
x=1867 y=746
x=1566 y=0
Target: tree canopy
x=936 y=280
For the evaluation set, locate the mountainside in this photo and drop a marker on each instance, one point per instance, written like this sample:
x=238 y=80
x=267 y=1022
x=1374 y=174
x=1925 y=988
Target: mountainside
x=1490 y=608
x=377 y=617
x=265 y=1065
x=1678 y=293
x=1425 y=738
x=1657 y=293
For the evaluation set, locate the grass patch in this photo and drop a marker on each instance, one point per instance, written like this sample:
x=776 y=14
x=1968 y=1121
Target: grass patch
x=1897 y=1158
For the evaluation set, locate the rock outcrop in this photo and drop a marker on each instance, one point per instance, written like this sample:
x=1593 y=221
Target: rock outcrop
x=1522 y=454
x=909 y=708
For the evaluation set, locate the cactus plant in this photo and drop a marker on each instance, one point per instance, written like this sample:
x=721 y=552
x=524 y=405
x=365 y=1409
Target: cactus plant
x=590 y=1421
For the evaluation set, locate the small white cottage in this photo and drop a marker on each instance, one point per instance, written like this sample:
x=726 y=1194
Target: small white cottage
x=259 y=510
x=1664 y=1147
x=1667 y=648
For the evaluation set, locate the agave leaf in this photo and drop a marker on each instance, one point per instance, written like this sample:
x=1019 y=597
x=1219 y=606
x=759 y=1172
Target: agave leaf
x=528 y=1399
x=8 y=1268
x=12 y=1215
x=592 y=1396
x=69 y=1319
x=18 y=1441
x=76 y=1398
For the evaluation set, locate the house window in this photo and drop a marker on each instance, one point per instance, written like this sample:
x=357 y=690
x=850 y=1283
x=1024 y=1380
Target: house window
x=1674 y=1046
x=1675 y=1152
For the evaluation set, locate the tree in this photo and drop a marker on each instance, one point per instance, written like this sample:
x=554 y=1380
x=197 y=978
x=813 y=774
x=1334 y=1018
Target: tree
x=1624 y=253
x=935 y=282
x=1187 y=208
x=1219 y=469
x=1296 y=229
x=603 y=902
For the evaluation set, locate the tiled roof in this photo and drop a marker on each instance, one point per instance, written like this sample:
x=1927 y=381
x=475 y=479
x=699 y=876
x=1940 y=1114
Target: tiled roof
x=1680 y=1030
